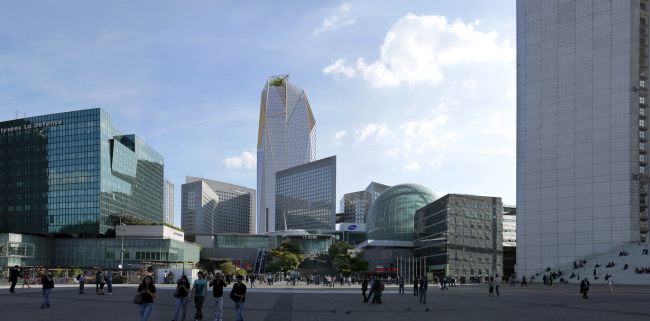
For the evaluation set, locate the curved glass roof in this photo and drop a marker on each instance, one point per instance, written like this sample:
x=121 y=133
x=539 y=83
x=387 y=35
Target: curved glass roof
x=391 y=214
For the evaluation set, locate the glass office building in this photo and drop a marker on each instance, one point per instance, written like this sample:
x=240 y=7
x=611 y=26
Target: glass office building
x=286 y=138
x=67 y=173
x=306 y=196
x=391 y=215
x=355 y=206
x=28 y=250
x=461 y=235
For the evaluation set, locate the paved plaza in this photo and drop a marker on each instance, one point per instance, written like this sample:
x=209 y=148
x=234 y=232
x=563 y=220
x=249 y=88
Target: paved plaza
x=315 y=303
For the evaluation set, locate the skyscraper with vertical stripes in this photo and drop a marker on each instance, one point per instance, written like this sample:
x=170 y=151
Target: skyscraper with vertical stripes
x=287 y=138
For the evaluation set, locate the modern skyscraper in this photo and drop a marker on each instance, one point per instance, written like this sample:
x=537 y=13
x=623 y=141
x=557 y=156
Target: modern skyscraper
x=306 y=196
x=355 y=206
x=287 y=138
x=210 y=207
x=582 y=78
x=169 y=202
x=68 y=173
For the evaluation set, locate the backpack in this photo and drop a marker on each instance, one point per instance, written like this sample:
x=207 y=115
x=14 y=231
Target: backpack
x=383 y=287
x=78 y=277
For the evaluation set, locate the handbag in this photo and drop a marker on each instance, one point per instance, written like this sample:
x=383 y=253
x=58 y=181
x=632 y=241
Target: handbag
x=177 y=293
x=137 y=299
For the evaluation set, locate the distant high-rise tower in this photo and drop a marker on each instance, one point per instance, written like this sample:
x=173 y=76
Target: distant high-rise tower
x=582 y=129
x=287 y=138
x=169 y=202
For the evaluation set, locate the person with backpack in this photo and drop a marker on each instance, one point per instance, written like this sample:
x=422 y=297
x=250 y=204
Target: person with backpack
x=238 y=295
x=218 y=283
x=147 y=291
x=82 y=281
x=48 y=285
x=182 y=289
x=199 y=288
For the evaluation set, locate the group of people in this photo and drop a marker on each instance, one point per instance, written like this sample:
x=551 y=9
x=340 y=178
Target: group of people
x=610 y=264
x=575 y=265
x=197 y=292
x=622 y=253
x=376 y=288
x=168 y=278
x=642 y=270
x=47 y=281
x=102 y=279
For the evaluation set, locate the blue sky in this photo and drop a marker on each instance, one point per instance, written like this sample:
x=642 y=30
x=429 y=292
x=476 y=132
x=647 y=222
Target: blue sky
x=402 y=91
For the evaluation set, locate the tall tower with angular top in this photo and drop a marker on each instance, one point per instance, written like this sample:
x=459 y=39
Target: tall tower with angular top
x=287 y=138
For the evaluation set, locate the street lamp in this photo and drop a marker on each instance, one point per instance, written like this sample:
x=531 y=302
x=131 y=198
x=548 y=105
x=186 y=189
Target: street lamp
x=122 y=228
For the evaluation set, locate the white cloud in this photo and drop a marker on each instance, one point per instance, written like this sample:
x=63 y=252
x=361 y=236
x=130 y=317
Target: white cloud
x=477 y=22
x=436 y=161
x=416 y=48
x=338 y=136
x=392 y=152
x=412 y=166
x=428 y=132
x=338 y=19
x=339 y=67
x=469 y=83
x=371 y=129
x=246 y=159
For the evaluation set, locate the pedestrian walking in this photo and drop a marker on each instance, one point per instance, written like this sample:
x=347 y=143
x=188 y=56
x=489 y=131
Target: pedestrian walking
x=400 y=282
x=165 y=277
x=238 y=295
x=364 y=289
x=48 y=285
x=26 y=280
x=14 y=275
x=490 y=284
x=377 y=288
x=97 y=280
x=610 y=281
x=523 y=281
x=218 y=284
x=423 y=290
x=109 y=280
x=82 y=282
x=198 y=293
x=584 y=288
x=181 y=293
x=252 y=281
x=497 y=283
x=415 y=286
x=147 y=291
x=389 y=280
x=102 y=282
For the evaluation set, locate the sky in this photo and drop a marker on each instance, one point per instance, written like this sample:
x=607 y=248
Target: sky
x=402 y=91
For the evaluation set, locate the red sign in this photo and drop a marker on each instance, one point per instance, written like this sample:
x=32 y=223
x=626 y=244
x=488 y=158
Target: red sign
x=385 y=269
x=248 y=266
x=236 y=263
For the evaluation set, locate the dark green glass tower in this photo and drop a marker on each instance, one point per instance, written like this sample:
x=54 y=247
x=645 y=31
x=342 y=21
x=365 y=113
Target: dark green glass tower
x=68 y=173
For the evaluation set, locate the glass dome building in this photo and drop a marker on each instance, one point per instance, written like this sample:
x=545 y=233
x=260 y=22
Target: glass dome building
x=391 y=214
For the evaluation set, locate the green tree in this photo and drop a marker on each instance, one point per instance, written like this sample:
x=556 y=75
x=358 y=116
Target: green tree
x=340 y=247
x=227 y=267
x=290 y=247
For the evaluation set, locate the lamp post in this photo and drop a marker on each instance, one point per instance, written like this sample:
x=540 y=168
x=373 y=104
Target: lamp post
x=122 y=228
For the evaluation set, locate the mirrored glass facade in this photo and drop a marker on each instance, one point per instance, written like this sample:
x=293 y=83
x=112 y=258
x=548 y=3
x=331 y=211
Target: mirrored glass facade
x=306 y=196
x=27 y=250
x=286 y=138
x=391 y=214
x=461 y=235
x=67 y=173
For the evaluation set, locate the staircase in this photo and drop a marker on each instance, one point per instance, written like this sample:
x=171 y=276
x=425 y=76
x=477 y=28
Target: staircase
x=323 y=266
x=634 y=259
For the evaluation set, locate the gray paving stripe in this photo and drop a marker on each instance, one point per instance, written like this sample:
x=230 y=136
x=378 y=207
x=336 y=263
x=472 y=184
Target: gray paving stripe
x=282 y=309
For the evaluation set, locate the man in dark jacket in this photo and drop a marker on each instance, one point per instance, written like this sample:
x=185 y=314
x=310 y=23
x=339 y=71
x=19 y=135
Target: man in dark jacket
x=423 y=289
x=218 y=283
x=13 y=277
x=364 y=288
x=415 y=286
x=238 y=295
x=584 y=288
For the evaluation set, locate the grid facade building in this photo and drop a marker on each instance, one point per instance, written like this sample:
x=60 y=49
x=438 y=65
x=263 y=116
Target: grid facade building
x=306 y=196
x=286 y=139
x=210 y=207
x=461 y=235
x=582 y=79
x=355 y=206
x=67 y=173
x=169 y=202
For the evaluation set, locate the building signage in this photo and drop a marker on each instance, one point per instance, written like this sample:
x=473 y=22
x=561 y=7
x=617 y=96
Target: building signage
x=30 y=126
x=309 y=237
x=352 y=227
x=248 y=266
x=237 y=263
x=385 y=269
